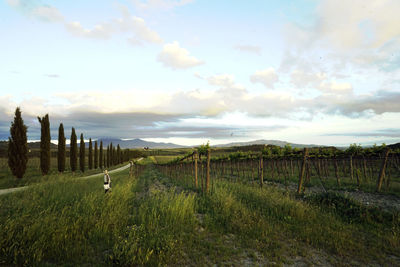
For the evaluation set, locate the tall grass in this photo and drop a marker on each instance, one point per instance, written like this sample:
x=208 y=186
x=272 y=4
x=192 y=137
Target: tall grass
x=161 y=220
x=262 y=218
x=64 y=221
x=155 y=220
x=33 y=174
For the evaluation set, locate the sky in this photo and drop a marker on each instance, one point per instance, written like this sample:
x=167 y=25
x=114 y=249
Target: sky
x=190 y=71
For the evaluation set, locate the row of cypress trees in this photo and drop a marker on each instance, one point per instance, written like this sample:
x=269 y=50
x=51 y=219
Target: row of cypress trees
x=18 y=149
x=96 y=159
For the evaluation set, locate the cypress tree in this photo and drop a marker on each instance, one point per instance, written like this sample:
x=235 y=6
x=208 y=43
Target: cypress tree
x=108 y=156
x=114 y=156
x=73 y=151
x=118 y=154
x=101 y=155
x=111 y=155
x=61 y=149
x=96 y=155
x=90 y=154
x=82 y=154
x=45 y=144
x=18 y=146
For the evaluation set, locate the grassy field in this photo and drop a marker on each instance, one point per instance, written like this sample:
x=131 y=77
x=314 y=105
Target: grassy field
x=164 y=159
x=33 y=174
x=157 y=220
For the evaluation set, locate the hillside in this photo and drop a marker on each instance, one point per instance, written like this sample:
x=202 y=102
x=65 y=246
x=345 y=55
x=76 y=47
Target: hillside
x=266 y=142
x=137 y=143
x=394 y=146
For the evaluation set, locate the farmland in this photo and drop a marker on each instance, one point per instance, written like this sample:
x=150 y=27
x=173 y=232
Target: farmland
x=160 y=217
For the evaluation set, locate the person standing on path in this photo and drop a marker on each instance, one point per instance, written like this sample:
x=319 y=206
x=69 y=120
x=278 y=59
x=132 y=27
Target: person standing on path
x=107 y=181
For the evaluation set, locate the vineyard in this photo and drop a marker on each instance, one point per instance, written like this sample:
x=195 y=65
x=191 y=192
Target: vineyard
x=207 y=207
x=363 y=170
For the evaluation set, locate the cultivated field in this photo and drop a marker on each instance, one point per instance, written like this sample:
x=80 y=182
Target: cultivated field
x=160 y=217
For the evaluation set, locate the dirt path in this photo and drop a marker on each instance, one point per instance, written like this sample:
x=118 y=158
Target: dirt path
x=15 y=189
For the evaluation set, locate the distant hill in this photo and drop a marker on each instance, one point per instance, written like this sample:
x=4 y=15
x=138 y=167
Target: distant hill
x=394 y=146
x=137 y=143
x=31 y=145
x=36 y=145
x=266 y=142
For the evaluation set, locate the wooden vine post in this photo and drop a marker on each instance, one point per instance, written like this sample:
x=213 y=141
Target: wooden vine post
x=336 y=172
x=208 y=172
x=382 y=171
x=261 y=168
x=351 y=167
x=195 y=169
x=303 y=169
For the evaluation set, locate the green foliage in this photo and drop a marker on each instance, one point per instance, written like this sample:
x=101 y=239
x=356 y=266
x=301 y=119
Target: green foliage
x=147 y=221
x=61 y=149
x=202 y=150
x=96 y=155
x=70 y=222
x=17 y=146
x=73 y=152
x=90 y=160
x=101 y=155
x=154 y=238
x=82 y=154
x=287 y=150
x=237 y=155
x=111 y=155
x=118 y=156
x=354 y=149
x=115 y=156
x=272 y=151
x=45 y=144
x=108 y=157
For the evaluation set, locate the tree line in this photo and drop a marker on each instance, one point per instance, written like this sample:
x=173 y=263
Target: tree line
x=98 y=157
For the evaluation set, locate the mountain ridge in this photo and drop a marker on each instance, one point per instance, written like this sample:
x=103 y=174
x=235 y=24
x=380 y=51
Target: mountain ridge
x=267 y=142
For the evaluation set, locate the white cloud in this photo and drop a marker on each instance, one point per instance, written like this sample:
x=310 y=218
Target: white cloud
x=348 y=25
x=348 y=33
x=226 y=82
x=127 y=24
x=249 y=48
x=267 y=77
x=320 y=82
x=303 y=79
x=160 y=4
x=48 y=13
x=138 y=27
x=100 y=31
x=223 y=80
x=334 y=87
x=176 y=57
x=359 y=23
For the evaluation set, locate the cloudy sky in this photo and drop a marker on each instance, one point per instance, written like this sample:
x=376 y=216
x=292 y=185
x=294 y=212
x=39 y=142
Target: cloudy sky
x=187 y=71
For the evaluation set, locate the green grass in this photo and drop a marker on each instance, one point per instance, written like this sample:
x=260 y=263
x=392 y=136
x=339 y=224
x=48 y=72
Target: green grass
x=249 y=170
x=33 y=174
x=63 y=221
x=164 y=159
x=262 y=218
x=157 y=220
